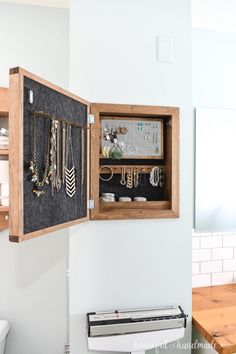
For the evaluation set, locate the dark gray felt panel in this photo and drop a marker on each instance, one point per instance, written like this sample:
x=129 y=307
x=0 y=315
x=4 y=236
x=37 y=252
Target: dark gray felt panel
x=47 y=211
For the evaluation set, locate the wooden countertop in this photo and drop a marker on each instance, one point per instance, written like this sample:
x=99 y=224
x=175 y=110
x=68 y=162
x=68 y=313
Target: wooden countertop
x=214 y=316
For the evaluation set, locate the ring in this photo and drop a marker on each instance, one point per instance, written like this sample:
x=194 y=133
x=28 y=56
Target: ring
x=110 y=177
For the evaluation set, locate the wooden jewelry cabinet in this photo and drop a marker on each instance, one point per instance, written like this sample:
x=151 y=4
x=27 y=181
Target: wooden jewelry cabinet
x=112 y=150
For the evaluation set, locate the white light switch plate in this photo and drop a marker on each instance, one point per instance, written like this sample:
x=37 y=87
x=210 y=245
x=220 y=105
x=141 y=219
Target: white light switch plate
x=164 y=49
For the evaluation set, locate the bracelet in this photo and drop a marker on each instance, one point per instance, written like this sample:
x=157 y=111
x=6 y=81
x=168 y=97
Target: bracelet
x=155 y=176
x=111 y=171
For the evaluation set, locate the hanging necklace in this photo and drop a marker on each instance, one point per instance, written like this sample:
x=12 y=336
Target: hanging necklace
x=82 y=163
x=70 y=172
x=58 y=156
x=63 y=147
x=34 y=168
x=53 y=155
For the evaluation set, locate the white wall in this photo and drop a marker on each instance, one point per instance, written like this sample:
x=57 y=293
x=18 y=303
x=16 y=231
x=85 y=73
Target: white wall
x=35 y=38
x=33 y=290
x=138 y=263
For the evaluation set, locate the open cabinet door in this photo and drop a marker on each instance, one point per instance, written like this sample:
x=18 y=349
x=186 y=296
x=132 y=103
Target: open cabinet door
x=48 y=135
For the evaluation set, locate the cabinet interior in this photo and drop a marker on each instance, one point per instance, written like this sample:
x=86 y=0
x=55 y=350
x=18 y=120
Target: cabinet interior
x=143 y=123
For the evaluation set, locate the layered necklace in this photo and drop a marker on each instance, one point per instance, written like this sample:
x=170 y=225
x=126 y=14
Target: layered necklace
x=34 y=164
x=58 y=167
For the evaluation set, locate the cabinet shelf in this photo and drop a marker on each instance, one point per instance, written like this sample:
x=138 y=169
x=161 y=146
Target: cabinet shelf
x=4 y=102
x=134 y=157
x=156 y=205
x=3 y=209
x=4 y=152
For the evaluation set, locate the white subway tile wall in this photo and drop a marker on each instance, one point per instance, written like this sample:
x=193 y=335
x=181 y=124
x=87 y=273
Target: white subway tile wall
x=214 y=258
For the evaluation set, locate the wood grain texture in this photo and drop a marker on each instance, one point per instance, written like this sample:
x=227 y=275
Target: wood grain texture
x=151 y=210
x=25 y=237
x=174 y=163
x=4 y=102
x=214 y=316
x=16 y=155
x=116 y=206
x=94 y=160
x=4 y=152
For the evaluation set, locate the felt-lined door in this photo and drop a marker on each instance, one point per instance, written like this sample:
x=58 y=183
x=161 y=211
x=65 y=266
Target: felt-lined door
x=37 y=205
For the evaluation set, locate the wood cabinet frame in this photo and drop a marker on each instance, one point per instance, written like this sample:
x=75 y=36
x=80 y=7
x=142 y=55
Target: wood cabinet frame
x=137 y=210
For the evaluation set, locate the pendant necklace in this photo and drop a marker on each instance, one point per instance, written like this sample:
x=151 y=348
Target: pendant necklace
x=53 y=155
x=34 y=168
x=63 y=147
x=70 y=172
x=58 y=156
x=82 y=163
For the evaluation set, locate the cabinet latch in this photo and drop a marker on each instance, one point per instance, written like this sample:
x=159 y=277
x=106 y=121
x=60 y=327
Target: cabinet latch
x=90 y=204
x=91 y=118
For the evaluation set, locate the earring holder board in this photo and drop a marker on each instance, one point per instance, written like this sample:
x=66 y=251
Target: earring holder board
x=161 y=202
x=142 y=138
x=30 y=215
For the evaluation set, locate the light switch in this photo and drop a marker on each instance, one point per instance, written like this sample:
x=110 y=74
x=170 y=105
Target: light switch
x=164 y=49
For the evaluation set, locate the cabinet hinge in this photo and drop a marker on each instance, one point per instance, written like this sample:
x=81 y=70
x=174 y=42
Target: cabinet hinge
x=90 y=204
x=91 y=118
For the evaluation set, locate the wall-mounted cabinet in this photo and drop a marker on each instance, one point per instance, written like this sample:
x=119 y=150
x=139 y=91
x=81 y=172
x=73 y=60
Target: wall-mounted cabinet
x=145 y=174
x=72 y=161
